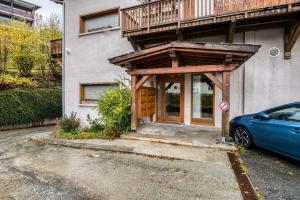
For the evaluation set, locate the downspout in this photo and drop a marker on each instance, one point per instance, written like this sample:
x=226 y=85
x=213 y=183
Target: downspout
x=244 y=76
x=63 y=61
x=63 y=54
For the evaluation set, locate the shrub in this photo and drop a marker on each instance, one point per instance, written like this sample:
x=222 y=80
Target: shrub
x=96 y=125
x=27 y=106
x=11 y=82
x=114 y=109
x=69 y=124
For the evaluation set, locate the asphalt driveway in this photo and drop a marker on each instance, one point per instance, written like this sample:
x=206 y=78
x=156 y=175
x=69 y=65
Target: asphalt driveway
x=276 y=176
x=31 y=171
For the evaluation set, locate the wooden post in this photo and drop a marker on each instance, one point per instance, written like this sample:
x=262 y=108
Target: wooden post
x=179 y=14
x=225 y=97
x=133 y=103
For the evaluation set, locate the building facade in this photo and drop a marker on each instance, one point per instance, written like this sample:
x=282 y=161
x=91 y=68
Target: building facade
x=98 y=30
x=17 y=9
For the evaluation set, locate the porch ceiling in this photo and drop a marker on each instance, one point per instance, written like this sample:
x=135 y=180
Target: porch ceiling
x=188 y=54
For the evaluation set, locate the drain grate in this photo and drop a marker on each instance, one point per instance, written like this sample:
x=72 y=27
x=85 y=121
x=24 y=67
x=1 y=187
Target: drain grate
x=245 y=185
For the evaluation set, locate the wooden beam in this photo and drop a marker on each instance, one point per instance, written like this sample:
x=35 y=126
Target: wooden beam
x=142 y=81
x=182 y=70
x=134 y=120
x=291 y=35
x=225 y=97
x=215 y=80
x=134 y=45
x=179 y=34
x=175 y=60
x=231 y=32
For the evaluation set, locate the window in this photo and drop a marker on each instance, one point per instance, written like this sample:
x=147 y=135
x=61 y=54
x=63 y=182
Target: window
x=90 y=93
x=202 y=100
x=287 y=114
x=102 y=20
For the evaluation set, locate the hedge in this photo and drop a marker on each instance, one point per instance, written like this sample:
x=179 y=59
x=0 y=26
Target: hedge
x=20 y=106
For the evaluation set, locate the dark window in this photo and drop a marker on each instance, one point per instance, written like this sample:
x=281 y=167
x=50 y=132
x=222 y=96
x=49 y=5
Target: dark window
x=287 y=114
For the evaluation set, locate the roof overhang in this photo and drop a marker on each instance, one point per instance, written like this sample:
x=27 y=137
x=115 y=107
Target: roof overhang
x=58 y=1
x=188 y=54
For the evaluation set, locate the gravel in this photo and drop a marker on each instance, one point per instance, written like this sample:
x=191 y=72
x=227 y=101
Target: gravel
x=277 y=177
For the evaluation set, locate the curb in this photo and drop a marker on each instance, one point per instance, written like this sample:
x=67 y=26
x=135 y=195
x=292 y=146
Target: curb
x=224 y=148
x=109 y=148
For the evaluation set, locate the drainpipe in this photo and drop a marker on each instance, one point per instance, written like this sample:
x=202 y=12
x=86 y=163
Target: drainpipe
x=63 y=53
x=244 y=76
x=63 y=61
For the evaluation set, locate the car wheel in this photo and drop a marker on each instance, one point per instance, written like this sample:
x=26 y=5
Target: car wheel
x=242 y=137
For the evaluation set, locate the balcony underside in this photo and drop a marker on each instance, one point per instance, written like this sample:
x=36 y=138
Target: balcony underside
x=277 y=16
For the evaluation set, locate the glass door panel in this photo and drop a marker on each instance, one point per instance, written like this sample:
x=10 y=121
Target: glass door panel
x=172 y=104
x=203 y=100
x=170 y=99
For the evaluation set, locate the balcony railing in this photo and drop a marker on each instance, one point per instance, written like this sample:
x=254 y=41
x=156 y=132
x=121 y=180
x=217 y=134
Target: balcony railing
x=15 y=11
x=56 y=47
x=173 y=12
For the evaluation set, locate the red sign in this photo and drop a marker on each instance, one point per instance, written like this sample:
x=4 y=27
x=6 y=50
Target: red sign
x=224 y=106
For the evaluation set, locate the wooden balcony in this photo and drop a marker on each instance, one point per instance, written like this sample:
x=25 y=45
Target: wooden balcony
x=56 y=48
x=192 y=17
x=15 y=12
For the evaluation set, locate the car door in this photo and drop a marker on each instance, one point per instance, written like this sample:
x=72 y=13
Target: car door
x=281 y=132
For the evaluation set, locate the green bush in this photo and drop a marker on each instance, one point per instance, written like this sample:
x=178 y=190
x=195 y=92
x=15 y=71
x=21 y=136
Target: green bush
x=11 y=82
x=69 y=124
x=114 y=109
x=19 y=106
x=96 y=125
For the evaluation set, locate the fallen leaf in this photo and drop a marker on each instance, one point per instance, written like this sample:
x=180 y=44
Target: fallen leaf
x=290 y=173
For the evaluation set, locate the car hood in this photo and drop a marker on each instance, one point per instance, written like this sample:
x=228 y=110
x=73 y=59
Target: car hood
x=244 y=117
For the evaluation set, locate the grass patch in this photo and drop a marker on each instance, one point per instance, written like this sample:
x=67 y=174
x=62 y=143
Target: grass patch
x=243 y=166
x=82 y=135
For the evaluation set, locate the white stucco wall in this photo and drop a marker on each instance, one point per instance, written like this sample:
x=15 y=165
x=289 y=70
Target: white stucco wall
x=87 y=61
x=271 y=81
x=261 y=83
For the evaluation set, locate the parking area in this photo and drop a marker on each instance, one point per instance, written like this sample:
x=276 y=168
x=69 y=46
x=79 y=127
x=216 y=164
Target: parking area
x=31 y=171
x=277 y=177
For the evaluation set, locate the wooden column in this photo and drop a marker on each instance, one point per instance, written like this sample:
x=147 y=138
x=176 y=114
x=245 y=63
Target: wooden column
x=225 y=97
x=133 y=103
x=291 y=35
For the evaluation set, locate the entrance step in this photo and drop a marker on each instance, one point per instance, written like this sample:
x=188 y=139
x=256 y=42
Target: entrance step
x=178 y=141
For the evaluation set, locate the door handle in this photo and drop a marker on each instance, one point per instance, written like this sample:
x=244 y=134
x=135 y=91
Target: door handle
x=295 y=130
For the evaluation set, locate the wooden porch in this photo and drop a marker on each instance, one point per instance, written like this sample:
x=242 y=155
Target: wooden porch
x=182 y=58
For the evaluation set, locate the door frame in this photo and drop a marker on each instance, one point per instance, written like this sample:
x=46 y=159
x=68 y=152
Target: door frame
x=201 y=121
x=170 y=119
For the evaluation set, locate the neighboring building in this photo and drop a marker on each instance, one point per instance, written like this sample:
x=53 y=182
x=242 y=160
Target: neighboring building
x=17 y=9
x=98 y=30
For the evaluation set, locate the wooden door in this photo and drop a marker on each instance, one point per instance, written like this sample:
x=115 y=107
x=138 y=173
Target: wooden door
x=170 y=99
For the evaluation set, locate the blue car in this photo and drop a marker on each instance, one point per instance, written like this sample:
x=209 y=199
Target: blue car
x=276 y=129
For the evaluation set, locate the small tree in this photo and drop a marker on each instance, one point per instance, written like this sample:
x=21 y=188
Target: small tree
x=24 y=45
x=114 y=109
x=3 y=56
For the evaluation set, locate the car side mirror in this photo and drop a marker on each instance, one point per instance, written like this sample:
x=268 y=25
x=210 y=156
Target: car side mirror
x=263 y=116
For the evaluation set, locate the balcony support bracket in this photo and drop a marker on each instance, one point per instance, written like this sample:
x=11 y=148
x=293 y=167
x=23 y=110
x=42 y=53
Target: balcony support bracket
x=231 y=32
x=179 y=34
x=134 y=45
x=291 y=35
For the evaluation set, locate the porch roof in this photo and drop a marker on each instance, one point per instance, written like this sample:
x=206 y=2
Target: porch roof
x=188 y=54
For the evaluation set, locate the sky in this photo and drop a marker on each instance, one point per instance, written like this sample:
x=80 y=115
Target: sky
x=47 y=7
